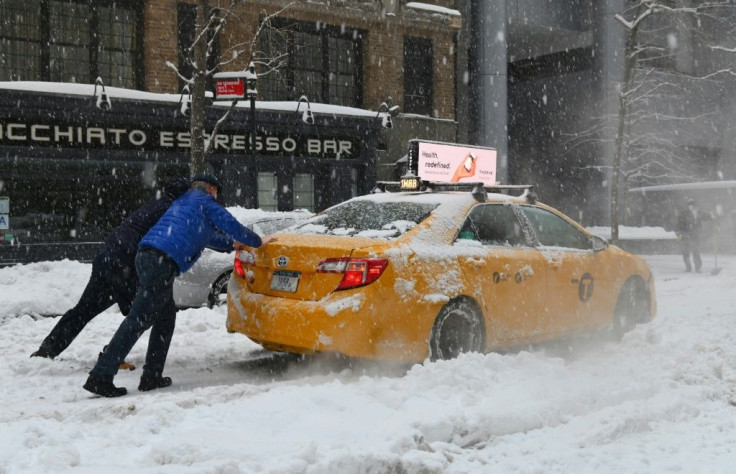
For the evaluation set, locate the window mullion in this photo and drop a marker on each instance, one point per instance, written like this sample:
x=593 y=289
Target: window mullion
x=94 y=42
x=290 y=66
x=325 y=66
x=45 y=35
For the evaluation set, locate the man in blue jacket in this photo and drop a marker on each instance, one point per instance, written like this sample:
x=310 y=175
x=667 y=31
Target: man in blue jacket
x=113 y=278
x=174 y=243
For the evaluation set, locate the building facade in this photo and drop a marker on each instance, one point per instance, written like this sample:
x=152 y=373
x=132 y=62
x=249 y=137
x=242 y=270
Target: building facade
x=545 y=82
x=346 y=61
x=531 y=79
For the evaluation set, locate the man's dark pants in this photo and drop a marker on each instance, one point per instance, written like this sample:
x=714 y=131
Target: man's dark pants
x=112 y=281
x=153 y=307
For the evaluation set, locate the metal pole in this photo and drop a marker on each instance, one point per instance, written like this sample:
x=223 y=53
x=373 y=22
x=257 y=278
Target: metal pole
x=254 y=160
x=251 y=93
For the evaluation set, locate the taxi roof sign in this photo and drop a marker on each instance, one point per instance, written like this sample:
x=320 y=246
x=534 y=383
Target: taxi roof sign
x=452 y=162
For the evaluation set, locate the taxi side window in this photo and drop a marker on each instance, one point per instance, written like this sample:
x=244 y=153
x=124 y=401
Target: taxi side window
x=554 y=231
x=493 y=224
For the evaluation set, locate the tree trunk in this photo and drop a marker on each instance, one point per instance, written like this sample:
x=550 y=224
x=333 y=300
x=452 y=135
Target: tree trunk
x=623 y=107
x=197 y=163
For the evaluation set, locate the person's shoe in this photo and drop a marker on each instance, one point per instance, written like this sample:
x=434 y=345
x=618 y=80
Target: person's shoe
x=44 y=352
x=102 y=388
x=152 y=383
x=126 y=366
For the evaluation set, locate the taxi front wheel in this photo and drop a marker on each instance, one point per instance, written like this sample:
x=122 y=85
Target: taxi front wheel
x=458 y=329
x=632 y=307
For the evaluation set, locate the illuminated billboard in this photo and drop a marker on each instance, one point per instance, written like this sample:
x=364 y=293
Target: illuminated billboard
x=453 y=163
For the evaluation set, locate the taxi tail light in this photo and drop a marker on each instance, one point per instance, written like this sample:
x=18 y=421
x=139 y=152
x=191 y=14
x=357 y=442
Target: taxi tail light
x=356 y=271
x=243 y=258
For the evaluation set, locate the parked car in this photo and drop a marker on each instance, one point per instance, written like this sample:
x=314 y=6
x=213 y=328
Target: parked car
x=205 y=284
x=410 y=275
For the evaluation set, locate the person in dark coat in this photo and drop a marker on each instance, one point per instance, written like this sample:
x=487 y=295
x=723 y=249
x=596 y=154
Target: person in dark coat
x=113 y=278
x=193 y=222
x=688 y=228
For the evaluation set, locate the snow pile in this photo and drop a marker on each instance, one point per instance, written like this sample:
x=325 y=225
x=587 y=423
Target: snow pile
x=43 y=288
x=659 y=401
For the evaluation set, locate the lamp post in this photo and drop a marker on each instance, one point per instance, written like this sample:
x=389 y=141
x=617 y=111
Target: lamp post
x=250 y=78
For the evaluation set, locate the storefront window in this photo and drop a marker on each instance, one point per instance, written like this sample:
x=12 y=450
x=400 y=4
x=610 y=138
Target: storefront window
x=20 y=40
x=72 y=41
x=267 y=191
x=186 y=18
x=418 y=76
x=69 y=45
x=117 y=51
x=304 y=191
x=77 y=200
x=322 y=62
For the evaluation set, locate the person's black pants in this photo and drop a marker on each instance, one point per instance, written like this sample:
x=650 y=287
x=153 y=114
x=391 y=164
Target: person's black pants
x=153 y=307
x=690 y=246
x=111 y=282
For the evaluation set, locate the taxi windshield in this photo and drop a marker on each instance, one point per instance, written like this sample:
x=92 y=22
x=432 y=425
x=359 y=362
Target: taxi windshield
x=366 y=218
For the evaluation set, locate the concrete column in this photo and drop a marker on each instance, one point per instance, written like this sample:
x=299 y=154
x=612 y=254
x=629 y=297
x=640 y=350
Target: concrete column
x=489 y=97
x=609 y=46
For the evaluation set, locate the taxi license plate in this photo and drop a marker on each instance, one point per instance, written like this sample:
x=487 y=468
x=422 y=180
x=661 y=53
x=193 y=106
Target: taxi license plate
x=285 y=281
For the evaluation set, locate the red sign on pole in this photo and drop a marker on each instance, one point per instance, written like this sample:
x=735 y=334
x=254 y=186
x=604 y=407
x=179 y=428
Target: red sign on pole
x=230 y=89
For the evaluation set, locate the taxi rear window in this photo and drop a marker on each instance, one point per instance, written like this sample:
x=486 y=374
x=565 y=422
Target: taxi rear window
x=365 y=218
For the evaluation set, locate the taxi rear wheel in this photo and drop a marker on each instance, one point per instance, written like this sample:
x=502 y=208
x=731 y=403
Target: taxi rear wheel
x=632 y=307
x=458 y=329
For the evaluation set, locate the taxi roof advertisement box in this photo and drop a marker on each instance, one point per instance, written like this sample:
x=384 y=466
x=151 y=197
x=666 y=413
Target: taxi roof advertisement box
x=453 y=163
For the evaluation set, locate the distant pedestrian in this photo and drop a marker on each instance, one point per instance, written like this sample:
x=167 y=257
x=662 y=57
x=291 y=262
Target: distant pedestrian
x=113 y=278
x=688 y=229
x=193 y=222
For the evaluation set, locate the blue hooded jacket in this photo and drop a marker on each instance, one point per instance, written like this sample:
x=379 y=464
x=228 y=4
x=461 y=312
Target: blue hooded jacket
x=193 y=222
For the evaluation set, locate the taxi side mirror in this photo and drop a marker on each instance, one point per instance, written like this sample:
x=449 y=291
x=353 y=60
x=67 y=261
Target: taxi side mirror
x=598 y=243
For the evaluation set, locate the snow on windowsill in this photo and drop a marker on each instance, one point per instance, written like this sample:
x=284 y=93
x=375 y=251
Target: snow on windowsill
x=433 y=8
x=64 y=88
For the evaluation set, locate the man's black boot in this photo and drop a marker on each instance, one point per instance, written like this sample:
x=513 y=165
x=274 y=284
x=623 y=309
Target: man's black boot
x=45 y=352
x=153 y=382
x=102 y=388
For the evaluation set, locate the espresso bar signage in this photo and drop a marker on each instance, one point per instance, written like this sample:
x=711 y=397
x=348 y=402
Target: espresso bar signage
x=146 y=138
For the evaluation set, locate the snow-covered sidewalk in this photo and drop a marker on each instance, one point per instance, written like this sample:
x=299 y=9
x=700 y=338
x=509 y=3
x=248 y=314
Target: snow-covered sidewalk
x=657 y=402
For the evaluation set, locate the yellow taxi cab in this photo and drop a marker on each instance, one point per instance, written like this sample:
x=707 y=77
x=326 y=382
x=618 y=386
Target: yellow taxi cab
x=406 y=276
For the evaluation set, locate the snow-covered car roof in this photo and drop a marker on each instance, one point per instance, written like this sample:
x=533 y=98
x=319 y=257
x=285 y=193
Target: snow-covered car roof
x=434 y=197
x=378 y=215
x=248 y=217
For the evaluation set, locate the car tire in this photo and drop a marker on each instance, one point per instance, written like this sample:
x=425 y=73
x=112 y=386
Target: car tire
x=458 y=329
x=632 y=307
x=219 y=288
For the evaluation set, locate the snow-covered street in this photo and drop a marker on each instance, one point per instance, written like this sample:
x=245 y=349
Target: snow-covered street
x=659 y=401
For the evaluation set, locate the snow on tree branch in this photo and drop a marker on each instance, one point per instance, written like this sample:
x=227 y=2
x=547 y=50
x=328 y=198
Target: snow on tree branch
x=630 y=25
